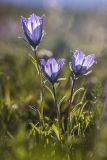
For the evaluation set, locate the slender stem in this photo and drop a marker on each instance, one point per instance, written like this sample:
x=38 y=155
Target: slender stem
x=72 y=90
x=41 y=82
x=56 y=105
x=37 y=60
x=70 y=102
x=54 y=92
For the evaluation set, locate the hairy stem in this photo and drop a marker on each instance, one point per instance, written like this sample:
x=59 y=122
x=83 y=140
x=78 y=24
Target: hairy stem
x=70 y=102
x=56 y=105
x=72 y=91
x=41 y=82
x=37 y=60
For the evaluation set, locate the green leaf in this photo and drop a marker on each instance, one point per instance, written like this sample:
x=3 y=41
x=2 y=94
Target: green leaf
x=78 y=91
x=34 y=128
x=79 y=129
x=50 y=91
x=56 y=131
x=62 y=99
x=82 y=99
x=81 y=110
x=62 y=79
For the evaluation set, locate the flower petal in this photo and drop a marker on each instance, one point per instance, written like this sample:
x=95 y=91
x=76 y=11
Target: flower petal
x=45 y=70
x=89 y=61
x=42 y=63
x=61 y=62
x=53 y=65
x=33 y=22
x=77 y=60
x=37 y=32
x=25 y=29
x=36 y=35
x=78 y=57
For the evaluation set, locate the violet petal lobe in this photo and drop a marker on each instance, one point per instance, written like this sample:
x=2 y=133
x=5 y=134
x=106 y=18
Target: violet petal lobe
x=77 y=60
x=24 y=26
x=26 y=30
x=61 y=62
x=38 y=31
x=89 y=61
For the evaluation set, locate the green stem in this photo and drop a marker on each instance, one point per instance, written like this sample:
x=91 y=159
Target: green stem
x=37 y=60
x=70 y=102
x=56 y=105
x=41 y=82
x=72 y=90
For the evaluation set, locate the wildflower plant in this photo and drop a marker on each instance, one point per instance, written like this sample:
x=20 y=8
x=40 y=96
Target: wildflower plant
x=73 y=119
x=33 y=30
x=80 y=66
x=52 y=69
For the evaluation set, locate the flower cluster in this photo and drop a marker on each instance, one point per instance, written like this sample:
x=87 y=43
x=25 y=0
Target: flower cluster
x=51 y=68
x=33 y=30
x=79 y=63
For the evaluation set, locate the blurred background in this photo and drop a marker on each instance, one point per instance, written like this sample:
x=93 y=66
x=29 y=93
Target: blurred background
x=69 y=25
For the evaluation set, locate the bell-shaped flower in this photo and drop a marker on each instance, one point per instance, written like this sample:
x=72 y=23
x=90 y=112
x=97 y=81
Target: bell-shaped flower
x=80 y=63
x=52 y=68
x=33 y=29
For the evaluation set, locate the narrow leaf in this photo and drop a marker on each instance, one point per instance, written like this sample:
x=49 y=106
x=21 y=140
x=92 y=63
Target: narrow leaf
x=62 y=99
x=78 y=91
x=56 y=131
x=50 y=91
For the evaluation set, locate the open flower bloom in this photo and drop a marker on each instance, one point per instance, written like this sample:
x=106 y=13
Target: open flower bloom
x=81 y=64
x=52 y=68
x=33 y=29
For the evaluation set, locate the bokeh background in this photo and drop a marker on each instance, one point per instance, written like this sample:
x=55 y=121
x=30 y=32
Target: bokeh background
x=69 y=24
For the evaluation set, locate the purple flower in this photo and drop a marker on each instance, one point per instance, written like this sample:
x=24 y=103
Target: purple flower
x=52 y=68
x=33 y=29
x=81 y=64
